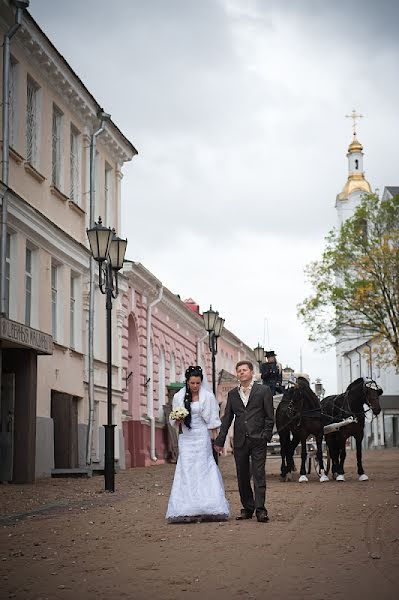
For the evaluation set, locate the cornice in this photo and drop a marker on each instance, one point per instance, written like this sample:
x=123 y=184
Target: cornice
x=40 y=52
x=47 y=234
x=143 y=281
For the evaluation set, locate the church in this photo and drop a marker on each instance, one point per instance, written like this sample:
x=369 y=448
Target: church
x=355 y=357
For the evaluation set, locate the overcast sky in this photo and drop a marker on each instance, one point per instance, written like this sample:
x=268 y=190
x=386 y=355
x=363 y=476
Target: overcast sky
x=237 y=109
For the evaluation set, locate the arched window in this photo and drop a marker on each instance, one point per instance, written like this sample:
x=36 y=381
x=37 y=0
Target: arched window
x=356 y=164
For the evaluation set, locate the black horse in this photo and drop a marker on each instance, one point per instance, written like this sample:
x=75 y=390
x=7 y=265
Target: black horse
x=297 y=416
x=343 y=406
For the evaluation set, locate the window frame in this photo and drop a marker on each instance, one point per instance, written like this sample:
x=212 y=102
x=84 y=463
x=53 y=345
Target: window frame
x=28 y=277
x=32 y=146
x=74 y=164
x=57 y=117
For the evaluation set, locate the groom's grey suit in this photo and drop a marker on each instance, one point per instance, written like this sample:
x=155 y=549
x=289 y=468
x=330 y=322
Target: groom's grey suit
x=253 y=428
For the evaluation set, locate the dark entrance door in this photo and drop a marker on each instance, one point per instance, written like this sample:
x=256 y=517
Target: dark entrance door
x=64 y=412
x=7 y=410
x=395 y=431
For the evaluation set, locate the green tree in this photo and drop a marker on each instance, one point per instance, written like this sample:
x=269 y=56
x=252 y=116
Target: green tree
x=355 y=285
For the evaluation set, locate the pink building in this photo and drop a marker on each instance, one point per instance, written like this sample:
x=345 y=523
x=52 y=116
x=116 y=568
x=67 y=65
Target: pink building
x=162 y=335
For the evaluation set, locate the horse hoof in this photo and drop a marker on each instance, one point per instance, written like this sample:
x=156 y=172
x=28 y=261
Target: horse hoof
x=283 y=477
x=324 y=478
x=340 y=478
x=288 y=477
x=363 y=477
x=303 y=478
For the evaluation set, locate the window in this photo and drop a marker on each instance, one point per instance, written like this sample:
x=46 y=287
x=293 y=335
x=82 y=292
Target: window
x=8 y=274
x=72 y=312
x=108 y=196
x=74 y=166
x=32 y=92
x=13 y=103
x=56 y=148
x=28 y=286
x=54 y=299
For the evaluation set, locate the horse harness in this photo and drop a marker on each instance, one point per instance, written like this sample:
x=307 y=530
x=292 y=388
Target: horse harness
x=370 y=384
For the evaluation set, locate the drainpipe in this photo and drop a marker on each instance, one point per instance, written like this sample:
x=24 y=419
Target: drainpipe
x=150 y=368
x=199 y=342
x=350 y=366
x=371 y=359
x=360 y=362
x=90 y=352
x=20 y=6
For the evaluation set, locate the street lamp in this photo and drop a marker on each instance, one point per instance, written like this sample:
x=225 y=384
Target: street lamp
x=318 y=388
x=259 y=352
x=109 y=251
x=214 y=326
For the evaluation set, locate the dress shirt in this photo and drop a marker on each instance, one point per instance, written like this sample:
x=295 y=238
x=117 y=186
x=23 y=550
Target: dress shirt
x=245 y=392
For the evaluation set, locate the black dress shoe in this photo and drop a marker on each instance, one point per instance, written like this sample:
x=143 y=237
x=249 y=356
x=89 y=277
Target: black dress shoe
x=262 y=516
x=244 y=514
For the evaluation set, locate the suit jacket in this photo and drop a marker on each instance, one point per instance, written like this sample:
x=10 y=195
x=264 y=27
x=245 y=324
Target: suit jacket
x=254 y=421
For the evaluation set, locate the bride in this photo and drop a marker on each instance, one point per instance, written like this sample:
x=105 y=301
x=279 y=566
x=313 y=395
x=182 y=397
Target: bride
x=197 y=490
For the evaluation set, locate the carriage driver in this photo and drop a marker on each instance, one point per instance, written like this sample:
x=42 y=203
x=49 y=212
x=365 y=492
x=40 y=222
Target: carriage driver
x=271 y=372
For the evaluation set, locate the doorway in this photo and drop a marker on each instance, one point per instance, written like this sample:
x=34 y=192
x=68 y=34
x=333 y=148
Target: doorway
x=64 y=412
x=7 y=415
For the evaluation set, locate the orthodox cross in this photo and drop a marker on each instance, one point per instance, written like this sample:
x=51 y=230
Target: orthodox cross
x=354 y=116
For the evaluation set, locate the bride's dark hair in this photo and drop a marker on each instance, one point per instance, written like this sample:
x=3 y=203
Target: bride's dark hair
x=190 y=372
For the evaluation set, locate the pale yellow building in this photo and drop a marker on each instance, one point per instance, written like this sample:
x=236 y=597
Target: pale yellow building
x=44 y=326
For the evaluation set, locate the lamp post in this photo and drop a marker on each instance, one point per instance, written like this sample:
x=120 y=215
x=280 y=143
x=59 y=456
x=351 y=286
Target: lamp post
x=259 y=352
x=214 y=326
x=318 y=388
x=109 y=251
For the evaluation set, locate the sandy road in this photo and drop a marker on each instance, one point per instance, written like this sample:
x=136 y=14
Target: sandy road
x=66 y=539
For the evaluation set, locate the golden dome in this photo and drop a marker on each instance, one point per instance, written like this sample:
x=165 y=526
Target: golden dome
x=355 y=146
x=356 y=183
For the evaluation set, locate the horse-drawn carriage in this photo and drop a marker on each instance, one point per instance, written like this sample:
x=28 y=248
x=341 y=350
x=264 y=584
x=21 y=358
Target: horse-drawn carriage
x=299 y=414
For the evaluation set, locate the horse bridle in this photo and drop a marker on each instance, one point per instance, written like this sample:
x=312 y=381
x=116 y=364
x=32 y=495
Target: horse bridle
x=368 y=384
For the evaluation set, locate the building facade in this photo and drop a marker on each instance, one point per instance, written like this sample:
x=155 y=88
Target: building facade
x=355 y=357
x=162 y=336
x=44 y=326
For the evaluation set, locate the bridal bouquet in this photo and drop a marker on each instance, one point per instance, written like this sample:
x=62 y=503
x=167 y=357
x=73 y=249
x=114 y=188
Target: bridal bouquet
x=179 y=414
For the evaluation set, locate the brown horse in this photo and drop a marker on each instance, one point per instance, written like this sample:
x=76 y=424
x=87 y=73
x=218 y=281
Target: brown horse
x=350 y=404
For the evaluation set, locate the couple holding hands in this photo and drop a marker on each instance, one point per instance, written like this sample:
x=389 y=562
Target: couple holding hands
x=197 y=490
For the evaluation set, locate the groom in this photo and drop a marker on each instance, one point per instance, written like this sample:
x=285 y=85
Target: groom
x=252 y=406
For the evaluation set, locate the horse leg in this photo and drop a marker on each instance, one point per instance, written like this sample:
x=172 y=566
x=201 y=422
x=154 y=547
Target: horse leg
x=284 y=441
x=290 y=456
x=342 y=456
x=304 y=454
x=319 y=454
x=332 y=441
x=360 y=470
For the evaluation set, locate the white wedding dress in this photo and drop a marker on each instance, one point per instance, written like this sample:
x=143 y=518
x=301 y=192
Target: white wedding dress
x=197 y=488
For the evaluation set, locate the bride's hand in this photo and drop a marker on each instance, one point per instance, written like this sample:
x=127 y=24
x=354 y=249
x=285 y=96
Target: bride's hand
x=214 y=433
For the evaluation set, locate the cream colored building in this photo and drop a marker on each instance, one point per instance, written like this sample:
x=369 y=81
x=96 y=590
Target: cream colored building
x=44 y=331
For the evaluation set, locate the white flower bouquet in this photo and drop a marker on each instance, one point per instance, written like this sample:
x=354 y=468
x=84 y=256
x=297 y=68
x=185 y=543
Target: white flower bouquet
x=179 y=414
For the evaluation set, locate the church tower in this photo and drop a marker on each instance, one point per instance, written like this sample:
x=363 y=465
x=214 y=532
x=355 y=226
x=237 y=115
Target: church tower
x=356 y=184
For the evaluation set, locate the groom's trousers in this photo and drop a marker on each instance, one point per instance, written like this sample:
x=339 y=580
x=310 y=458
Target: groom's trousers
x=251 y=457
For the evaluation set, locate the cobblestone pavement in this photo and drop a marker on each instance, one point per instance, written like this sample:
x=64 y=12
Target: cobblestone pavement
x=66 y=538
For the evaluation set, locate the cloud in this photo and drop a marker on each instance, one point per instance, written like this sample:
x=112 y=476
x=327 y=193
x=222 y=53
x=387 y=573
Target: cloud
x=237 y=110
